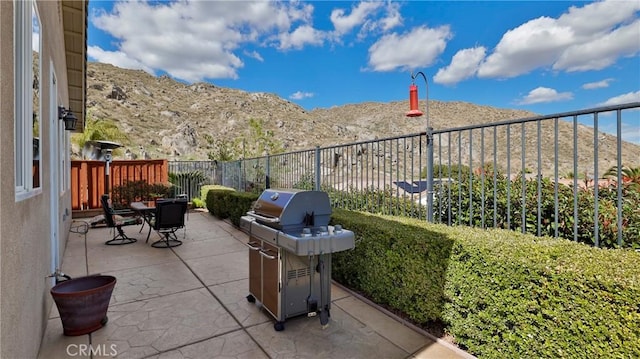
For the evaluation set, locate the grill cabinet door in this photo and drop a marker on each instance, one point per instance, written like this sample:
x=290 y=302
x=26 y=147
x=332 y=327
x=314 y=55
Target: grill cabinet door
x=255 y=269
x=270 y=279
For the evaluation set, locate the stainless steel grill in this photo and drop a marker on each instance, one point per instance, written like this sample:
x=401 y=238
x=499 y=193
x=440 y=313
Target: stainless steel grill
x=290 y=246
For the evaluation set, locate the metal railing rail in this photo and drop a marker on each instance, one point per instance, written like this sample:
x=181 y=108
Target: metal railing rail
x=496 y=174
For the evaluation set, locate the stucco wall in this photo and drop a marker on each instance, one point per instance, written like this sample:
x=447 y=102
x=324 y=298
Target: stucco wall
x=25 y=225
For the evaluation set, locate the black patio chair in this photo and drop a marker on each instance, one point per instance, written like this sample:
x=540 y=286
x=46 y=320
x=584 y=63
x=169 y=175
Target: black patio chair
x=118 y=219
x=169 y=218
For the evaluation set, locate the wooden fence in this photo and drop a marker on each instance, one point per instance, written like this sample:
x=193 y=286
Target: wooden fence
x=88 y=180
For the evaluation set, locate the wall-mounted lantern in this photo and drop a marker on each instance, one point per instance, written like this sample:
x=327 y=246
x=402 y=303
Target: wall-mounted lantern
x=68 y=117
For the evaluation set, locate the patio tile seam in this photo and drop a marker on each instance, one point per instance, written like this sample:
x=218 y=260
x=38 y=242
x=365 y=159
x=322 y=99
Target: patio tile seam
x=209 y=256
x=154 y=297
x=405 y=323
x=408 y=355
x=160 y=352
x=208 y=289
x=115 y=271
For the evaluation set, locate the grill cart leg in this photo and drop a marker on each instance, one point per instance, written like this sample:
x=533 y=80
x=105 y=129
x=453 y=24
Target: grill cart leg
x=324 y=312
x=278 y=326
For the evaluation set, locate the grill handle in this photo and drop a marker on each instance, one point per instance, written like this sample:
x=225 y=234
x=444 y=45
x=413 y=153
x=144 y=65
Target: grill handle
x=266 y=255
x=263 y=218
x=250 y=245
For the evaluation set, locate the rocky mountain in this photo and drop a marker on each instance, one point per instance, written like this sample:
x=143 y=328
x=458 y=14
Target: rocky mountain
x=168 y=119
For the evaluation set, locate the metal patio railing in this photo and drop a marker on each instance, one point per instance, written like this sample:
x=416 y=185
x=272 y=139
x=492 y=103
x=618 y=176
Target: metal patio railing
x=533 y=175
x=190 y=176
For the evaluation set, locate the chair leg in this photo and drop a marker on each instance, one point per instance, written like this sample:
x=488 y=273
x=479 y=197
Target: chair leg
x=170 y=240
x=120 y=238
x=148 y=234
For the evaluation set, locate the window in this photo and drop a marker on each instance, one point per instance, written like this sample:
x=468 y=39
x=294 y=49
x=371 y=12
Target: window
x=27 y=116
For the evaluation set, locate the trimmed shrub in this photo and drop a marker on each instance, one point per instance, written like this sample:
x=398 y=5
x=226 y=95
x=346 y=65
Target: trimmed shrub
x=205 y=189
x=499 y=293
x=238 y=203
x=217 y=202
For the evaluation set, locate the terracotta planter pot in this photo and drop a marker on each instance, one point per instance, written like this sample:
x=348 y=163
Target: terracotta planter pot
x=83 y=303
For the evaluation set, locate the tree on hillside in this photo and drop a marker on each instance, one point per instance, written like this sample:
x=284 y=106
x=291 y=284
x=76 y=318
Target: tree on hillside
x=224 y=149
x=256 y=143
x=99 y=130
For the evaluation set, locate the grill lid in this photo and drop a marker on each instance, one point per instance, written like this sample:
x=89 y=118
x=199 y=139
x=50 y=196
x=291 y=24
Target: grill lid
x=291 y=208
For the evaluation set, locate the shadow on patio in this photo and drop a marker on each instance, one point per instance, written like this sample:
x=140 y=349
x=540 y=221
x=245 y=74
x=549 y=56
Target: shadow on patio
x=189 y=302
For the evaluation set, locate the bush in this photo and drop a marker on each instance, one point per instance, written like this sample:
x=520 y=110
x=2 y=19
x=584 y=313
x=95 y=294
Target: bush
x=399 y=266
x=500 y=294
x=224 y=202
x=197 y=202
x=377 y=201
x=217 y=201
x=136 y=191
x=452 y=205
x=205 y=189
x=238 y=203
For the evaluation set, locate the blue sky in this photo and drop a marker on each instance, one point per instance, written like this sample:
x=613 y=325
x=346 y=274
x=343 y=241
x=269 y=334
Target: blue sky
x=542 y=56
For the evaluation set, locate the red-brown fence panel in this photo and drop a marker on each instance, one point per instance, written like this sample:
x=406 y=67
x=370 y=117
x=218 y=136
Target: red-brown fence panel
x=88 y=178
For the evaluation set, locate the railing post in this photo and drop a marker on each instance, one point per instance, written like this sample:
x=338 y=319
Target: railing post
x=267 y=182
x=430 y=174
x=317 y=180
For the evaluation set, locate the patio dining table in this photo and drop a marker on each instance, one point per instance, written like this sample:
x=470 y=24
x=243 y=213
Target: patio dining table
x=147 y=211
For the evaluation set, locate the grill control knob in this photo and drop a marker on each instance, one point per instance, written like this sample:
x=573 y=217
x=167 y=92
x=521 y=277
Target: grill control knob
x=323 y=230
x=306 y=232
x=337 y=228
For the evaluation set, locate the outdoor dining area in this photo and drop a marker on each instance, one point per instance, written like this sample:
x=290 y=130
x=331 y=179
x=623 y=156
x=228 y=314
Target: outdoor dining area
x=188 y=300
x=165 y=216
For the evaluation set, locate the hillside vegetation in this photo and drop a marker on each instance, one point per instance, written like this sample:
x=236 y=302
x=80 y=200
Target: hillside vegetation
x=164 y=118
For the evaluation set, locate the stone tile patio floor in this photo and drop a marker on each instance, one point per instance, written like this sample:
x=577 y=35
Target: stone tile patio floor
x=189 y=302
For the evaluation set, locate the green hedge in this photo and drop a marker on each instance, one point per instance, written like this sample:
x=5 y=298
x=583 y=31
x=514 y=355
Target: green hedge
x=224 y=202
x=499 y=293
x=455 y=199
x=216 y=201
x=239 y=204
x=204 y=190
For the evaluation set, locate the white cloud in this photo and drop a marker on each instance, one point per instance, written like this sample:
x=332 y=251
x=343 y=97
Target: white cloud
x=371 y=17
x=601 y=52
x=116 y=57
x=464 y=65
x=597 y=85
x=359 y=14
x=621 y=99
x=545 y=94
x=631 y=119
x=299 y=95
x=160 y=35
x=382 y=23
x=255 y=55
x=531 y=45
x=587 y=38
x=303 y=35
x=393 y=17
x=417 y=48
